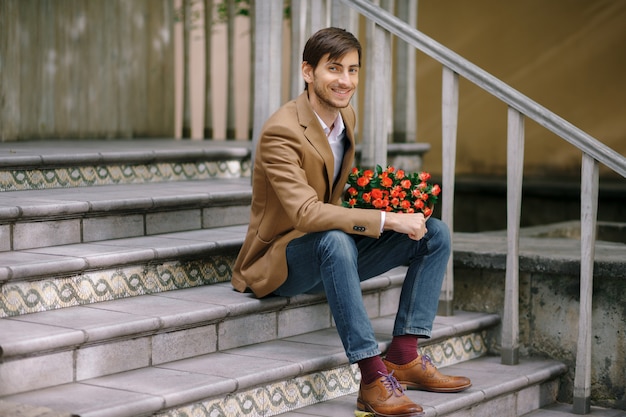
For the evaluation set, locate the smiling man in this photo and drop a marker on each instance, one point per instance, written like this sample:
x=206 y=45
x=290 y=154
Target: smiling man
x=301 y=240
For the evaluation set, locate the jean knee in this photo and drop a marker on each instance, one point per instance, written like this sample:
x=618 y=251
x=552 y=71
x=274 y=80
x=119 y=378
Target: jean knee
x=438 y=233
x=338 y=244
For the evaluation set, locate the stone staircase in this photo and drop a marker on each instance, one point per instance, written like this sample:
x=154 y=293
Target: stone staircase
x=115 y=260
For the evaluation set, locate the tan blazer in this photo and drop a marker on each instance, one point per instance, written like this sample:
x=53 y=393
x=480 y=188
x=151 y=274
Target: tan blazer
x=293 y=194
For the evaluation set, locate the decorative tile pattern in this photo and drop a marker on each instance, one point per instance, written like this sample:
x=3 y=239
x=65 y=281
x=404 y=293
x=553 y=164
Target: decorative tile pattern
x=277 y=398
x=83 y=176
x=58 y=292
x=285 y=396
x=456 y=349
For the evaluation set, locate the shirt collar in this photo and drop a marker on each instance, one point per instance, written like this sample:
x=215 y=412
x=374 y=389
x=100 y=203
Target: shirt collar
x=338 y=128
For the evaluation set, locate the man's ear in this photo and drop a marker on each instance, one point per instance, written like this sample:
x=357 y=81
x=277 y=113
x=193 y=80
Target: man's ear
x=307 y=72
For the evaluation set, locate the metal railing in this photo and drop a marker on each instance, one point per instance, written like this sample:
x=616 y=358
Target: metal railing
x=381 y=25
x=519 y=107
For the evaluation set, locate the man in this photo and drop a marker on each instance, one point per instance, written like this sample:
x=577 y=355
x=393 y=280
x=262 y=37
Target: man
x=300 y=239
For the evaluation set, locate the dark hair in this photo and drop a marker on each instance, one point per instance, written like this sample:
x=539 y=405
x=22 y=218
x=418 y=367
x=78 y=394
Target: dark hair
x=333 y=41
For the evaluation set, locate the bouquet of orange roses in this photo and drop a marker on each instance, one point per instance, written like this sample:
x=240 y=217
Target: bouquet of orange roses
x=391 y=190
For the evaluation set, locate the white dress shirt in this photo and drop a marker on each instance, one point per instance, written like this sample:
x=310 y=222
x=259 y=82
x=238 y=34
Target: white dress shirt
x=335 y=139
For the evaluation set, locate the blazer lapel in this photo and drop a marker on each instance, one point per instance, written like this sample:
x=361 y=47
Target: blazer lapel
x=315 y=135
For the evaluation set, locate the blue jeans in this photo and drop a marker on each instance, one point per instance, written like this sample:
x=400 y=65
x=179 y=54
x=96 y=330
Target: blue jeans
x=335 y=262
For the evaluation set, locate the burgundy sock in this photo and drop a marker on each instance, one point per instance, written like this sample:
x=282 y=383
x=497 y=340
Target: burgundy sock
x=403 y=349
x=370 y=368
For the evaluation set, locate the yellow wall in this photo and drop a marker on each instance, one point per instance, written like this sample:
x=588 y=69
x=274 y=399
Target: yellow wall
x=568 y=55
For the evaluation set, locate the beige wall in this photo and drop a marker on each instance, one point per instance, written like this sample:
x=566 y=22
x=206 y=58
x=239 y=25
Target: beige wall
x=568 y=55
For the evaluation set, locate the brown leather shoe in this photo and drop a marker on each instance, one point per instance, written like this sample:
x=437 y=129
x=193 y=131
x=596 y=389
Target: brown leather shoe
x=385 y=398
x=423 y=375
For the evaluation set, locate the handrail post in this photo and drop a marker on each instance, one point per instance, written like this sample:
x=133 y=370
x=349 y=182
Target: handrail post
x=449 y=125
x=588 y=220
x=515 y=168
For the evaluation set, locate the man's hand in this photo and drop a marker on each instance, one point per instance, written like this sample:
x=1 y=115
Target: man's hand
x=413 y=224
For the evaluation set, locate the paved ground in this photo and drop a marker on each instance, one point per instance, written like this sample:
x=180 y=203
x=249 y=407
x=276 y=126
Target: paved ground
x=565 y=410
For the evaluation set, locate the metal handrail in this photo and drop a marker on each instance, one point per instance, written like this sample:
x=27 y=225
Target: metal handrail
x=594 y=152
x=561 y=127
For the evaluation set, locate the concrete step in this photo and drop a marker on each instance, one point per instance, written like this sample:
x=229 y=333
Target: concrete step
x=81 y=342
x=54 y=277
x=497 y=391
x=52 y=217
x=86 y=163
x=265 y=378
x=565 y=410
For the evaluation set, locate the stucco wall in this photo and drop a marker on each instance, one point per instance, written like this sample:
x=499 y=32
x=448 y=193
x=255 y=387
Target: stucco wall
x=568 y=55
x=549 y=308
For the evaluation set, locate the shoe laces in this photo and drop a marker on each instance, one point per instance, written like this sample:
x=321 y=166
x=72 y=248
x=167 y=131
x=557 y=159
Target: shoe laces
x=391 y=383
x=426 y=361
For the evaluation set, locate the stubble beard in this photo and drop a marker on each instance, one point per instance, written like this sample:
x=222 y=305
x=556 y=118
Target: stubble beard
x=326 y=101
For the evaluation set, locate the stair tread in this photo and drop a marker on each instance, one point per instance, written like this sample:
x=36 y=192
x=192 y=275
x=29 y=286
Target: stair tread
x=53 y=202
x=489 y=377
x=149 y=390
x=64 y=259
x=185 y=381
x=565 y=410
x=67 y=327
x=67 y=152
x=160 y=312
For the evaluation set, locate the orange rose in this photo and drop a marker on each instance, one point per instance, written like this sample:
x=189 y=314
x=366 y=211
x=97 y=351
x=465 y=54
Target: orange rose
x=392 y=190
x=377 y=194
x=362 y=181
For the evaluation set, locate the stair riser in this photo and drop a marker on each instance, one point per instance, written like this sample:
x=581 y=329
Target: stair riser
x=120 y=173
x=514 y=404
x=95 y=227
x=24 y=297
x=289 y=395
x=160 y=345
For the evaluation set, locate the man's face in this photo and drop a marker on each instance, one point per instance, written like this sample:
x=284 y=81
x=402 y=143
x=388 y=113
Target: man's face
x=332 y=83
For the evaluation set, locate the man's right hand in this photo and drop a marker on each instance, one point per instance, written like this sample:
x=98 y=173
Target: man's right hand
x=411 y=224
